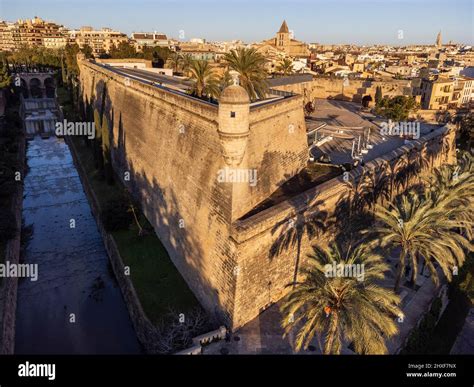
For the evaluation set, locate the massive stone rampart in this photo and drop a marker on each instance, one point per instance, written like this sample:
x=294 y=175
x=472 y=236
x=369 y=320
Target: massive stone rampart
x=350 y=90
x=174 y=147
x=170 y=145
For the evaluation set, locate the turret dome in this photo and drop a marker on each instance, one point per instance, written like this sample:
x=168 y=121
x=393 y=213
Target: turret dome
x=234 y=94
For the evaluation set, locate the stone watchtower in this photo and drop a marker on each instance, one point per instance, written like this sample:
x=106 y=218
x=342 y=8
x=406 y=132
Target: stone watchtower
x=234 y=110
x=225 y=263
x=234 y=131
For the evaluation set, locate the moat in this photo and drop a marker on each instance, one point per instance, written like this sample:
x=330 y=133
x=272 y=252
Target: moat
x=75 y=306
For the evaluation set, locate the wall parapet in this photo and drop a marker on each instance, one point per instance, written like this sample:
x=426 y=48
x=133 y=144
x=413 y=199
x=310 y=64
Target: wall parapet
x=243 y=230
x=186 y=102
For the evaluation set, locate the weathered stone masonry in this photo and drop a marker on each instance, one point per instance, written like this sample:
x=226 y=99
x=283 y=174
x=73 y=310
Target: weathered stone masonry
x=174 y=147
x=171 y=145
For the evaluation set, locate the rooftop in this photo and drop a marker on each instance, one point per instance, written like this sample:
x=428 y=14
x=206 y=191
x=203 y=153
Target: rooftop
x=345 y=123
x=284 y=28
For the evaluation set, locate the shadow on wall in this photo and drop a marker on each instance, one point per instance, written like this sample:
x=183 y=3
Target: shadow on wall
x=353 y=211
x=160 y=206
x=309 y=224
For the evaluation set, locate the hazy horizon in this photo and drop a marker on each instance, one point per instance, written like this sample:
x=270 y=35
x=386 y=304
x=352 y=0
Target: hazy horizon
x=366 y=22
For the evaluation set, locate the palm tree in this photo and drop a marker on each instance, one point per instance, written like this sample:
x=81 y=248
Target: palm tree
x=285 y=67
x=225 y=80
x=421 y=229
x=342 y=309
x=205 y=79
x=452 y=188
x=250 y=65
x=174 y=61
x=186 y=63
x=5 y=77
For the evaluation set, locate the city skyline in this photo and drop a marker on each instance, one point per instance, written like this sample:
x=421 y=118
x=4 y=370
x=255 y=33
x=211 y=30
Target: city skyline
x=323 y=22
x=235 y=179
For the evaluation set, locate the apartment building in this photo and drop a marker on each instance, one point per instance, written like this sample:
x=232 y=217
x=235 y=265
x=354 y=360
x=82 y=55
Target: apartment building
x=30 y=32
x=57 y=39
x=463 y=91
x=37 y=32
x=446 y=93
x=436 y=93
x=101 y=41
x=7 y=34
x=149 y=39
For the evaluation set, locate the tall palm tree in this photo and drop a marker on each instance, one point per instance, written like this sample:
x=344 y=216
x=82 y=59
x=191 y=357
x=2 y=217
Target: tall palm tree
x=186 y=63
x=452 y=189
x=342 y=309
x=285 y=67
x=249 y=63
x=421 y=229
x=225 y=80
x=174 y=61
x=205 y=79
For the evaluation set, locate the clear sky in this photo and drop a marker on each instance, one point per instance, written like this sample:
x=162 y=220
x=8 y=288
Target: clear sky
x=322 y=21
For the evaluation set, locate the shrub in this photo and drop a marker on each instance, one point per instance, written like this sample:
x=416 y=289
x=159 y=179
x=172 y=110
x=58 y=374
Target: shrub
x=176 y=335
x=116 y=215
x=396 y=108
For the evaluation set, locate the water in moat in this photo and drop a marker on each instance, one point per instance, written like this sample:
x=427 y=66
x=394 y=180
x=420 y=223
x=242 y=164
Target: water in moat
x=75 y=306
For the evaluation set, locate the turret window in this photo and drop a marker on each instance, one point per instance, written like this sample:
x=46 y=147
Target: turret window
x=232 y=114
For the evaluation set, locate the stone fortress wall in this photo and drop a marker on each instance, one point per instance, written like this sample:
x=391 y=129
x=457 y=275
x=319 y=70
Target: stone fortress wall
x=264 y=278
x=175 y=146
x=353 y=90
x=172 y=147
